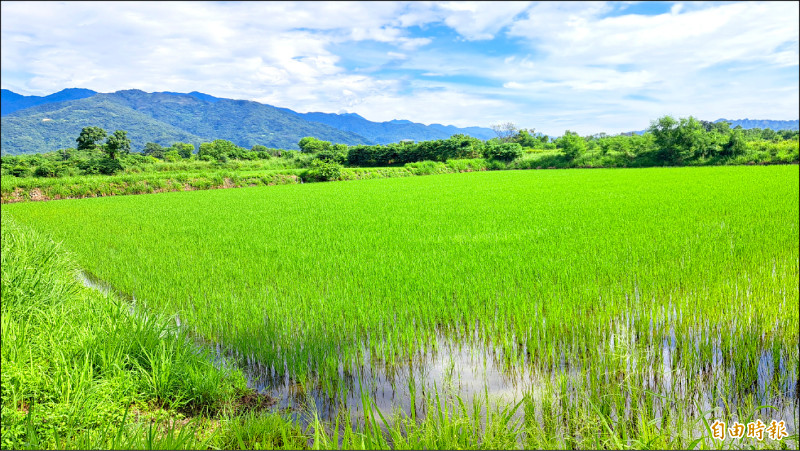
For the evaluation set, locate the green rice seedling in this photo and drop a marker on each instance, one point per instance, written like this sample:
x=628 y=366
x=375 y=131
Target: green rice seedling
x=641 y=291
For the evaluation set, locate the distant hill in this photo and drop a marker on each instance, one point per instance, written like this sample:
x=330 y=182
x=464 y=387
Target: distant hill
x=196 y=95
x=54 y=126
x=161 y=118
x=394 y=130
x=244 y=122
x=11 y=101
x=763 y=123
x=32 y=124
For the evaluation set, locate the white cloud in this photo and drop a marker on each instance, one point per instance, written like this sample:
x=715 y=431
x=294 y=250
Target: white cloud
x=581 y=69
x=480 y=20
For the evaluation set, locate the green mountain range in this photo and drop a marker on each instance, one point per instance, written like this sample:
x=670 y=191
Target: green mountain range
x=11 y=101
x=33 y=124
x=763 y=123
x=161 y=118
x=54 y=126
x=394 y=130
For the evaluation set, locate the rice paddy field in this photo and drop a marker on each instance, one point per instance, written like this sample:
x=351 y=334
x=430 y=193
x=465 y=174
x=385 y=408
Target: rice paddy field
x=633 y=303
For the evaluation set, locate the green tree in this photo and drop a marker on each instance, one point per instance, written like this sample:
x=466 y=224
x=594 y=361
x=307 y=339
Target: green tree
x=154 y=150
x=736 y=144
x=220 y=150
x=172 y=156
x=461 y=146
x=334 y=154
x=502 y=151
x=680 y=141
x=571 y=144
x=118 y=143
x=310 y=144
x=65 y=154
x=323 y=171
x=185 y=150
x=89 y=137
x=664 y=130
x=527 y=138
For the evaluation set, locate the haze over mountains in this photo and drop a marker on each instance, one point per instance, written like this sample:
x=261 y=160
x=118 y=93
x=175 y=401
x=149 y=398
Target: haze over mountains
x=35 y=124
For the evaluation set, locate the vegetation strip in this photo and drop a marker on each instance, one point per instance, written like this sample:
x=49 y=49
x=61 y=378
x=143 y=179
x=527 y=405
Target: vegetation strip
x=97 y=169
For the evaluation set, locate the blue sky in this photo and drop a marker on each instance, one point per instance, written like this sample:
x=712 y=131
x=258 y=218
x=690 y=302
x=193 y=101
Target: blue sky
x=584 y=66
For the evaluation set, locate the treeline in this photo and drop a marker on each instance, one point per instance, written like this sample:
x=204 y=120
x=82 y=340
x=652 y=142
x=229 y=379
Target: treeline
x=668 y=141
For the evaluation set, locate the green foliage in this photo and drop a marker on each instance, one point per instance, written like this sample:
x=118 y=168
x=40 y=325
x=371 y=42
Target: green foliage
x=172 y=156
x=736 y=144
x=457 y=146
x=19 y=171
x=506 y=151
x=460 y=146
x=105 y=166
x=571 y=145
x=334 y=154
x=323 y=171
x=682 y=141
x=154 y=150
x=49 y=169
x=528 y=138
x=313 y=145
x=185 y=150
x=221 y=150
x=76 y=360
x=117 y=144
x=66 y=154
x=109 y=166
x=89 y=136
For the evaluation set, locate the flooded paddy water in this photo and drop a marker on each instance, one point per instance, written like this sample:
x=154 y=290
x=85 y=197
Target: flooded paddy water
x=474 y=371
x=640 y=365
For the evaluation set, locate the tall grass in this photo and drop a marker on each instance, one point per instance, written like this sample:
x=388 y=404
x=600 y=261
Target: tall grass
x=75 y=362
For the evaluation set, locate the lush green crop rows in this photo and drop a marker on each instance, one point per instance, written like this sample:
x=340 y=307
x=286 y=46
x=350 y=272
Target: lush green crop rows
x=541 y=263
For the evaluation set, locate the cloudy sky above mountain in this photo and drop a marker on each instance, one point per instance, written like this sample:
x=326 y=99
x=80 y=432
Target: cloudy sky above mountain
x=584 y=66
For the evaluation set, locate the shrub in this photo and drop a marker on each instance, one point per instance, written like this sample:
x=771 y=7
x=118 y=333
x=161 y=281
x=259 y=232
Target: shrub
x=109 y=166
x=323 y=171
x=502 y=152
x=333 y=155
x=49 y=170
x=172 y=156
x=19 y=171
x=426 y=167
x=571 y=145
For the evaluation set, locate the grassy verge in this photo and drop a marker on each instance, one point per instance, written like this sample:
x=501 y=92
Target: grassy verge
x=201 y=175
x=80 y=370
x=191 y=178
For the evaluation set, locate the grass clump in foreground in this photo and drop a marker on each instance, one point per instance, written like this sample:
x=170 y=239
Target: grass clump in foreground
x=79 y=369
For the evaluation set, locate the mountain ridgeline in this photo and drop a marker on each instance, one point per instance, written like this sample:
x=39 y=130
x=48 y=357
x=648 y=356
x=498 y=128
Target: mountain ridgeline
x=38 y=124
x=11 y=101
x=32 y=124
